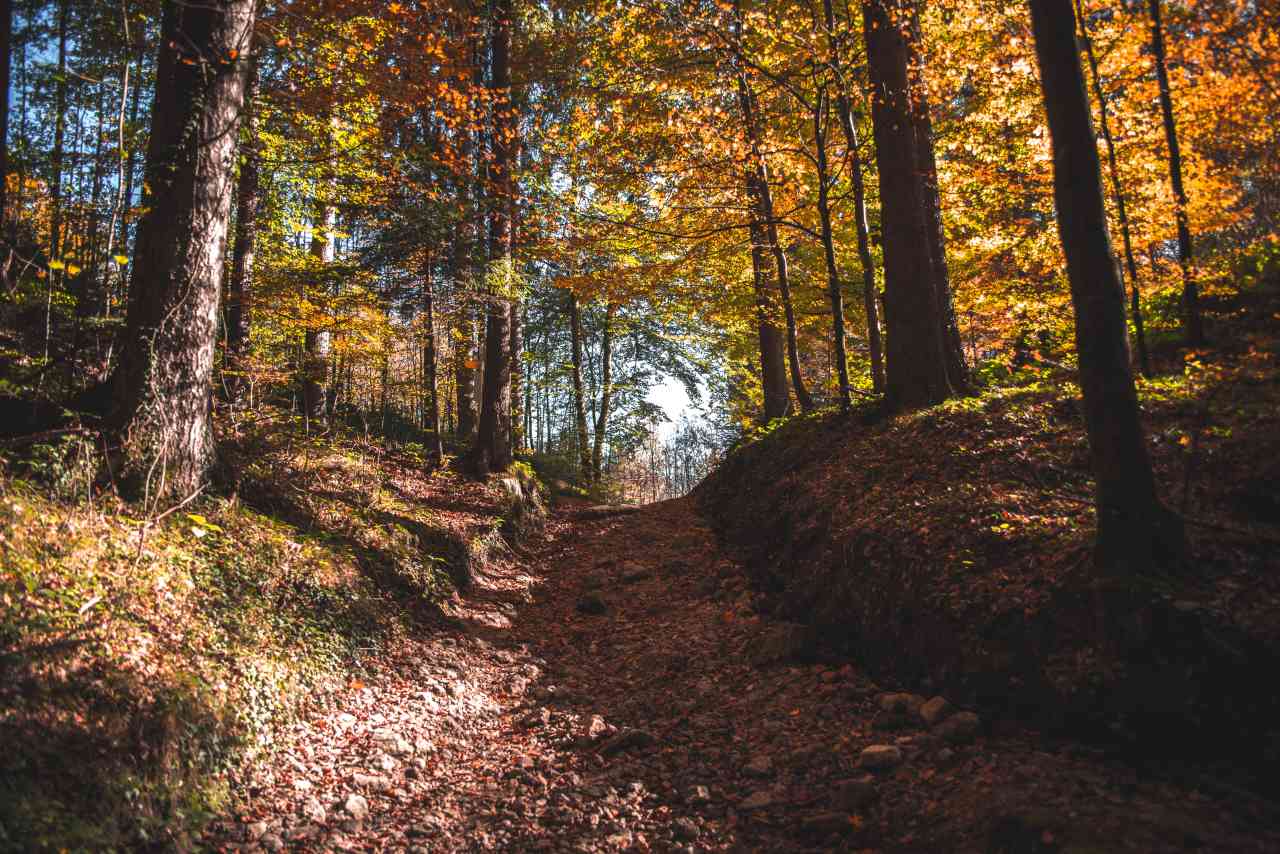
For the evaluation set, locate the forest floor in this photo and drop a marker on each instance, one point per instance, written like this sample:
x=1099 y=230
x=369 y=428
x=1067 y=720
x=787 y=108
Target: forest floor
x=607 y=688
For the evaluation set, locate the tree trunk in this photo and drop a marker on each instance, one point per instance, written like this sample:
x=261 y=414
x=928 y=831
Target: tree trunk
x=777 y=402
x=242 y=256
x=316 y=342
x=1190 y=290
x=431 y=418
x=854 y=156
x=6 y=38
x=493 y=440
x=773 y=368
x=162 y=384
x=1122 y=214
x=834 y=292
x=59 y=136
x=1135 y=532
x=917 y=372
x=927 y=169
x=606 y=395
x=579 y=398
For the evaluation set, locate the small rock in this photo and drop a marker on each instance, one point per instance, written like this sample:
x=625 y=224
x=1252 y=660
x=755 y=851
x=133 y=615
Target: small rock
x=597 y=728
x=880 y=757
x=825 y=824
x=854 y=795
x=372 y=782
x=686 y=829
x=314 y=810
x=357 y=807
x=908 y=704
x=760 y=766
x=756 y=800
x=591 y=604
x=935 y=710
x=386 y=763
x=253 y=832
x=455 y=689
x=302 y=785
x=271 y=842
x=946 y=756
x=960 y=728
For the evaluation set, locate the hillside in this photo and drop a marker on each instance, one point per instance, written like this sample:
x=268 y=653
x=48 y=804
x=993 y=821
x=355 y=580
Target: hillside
x=950 y=550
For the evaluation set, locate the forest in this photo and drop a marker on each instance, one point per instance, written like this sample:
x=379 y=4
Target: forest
x=611 y=425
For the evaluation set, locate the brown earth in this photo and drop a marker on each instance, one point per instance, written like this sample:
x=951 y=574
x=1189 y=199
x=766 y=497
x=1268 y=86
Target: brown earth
x=611 y=688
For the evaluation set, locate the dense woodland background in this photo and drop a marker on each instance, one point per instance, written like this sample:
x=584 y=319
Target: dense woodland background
x=272 y=259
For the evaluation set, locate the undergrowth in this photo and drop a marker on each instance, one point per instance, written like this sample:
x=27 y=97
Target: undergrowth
x=147 y=664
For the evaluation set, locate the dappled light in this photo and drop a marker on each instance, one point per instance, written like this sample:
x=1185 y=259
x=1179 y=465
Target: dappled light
x=662 y=425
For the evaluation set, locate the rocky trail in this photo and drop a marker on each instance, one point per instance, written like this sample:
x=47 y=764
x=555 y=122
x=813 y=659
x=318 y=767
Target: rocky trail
x=612 y=689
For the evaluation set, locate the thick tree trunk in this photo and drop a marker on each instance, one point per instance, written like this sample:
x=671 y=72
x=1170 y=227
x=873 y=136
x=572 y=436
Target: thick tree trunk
x=579 y=397
x=1135 y=532
x=464 y=372
x=431 y=386
x=493 y=436
x=834 y=292
x=874 y=343
x=236 y=312
x=1190 y=289
x=1117 y=191
x=917 y=372
x=606 y=395
x=163 y=382
x=773 y=367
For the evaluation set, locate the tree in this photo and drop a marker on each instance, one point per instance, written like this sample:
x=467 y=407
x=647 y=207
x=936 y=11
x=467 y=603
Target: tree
x=579 y=397
x=1136 y=533
x=162 y=384
x=857 y=184
x=1117 y=192
x=493 y=451
x=1190 y=289
x=236 y=314
x=919 y=369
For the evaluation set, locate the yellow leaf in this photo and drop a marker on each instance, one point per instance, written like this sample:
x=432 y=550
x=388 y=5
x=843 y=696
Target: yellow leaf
x=57 y=265
x=121 y=259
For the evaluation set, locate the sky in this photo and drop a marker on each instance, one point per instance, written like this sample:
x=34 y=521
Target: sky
x=674 y=400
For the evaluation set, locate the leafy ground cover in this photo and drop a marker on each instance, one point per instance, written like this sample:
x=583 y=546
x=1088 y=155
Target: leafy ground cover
x=149 y=663
x=950 y=549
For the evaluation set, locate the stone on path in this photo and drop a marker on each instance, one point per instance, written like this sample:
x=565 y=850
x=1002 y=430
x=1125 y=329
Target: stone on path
x=880 y=757
x=935 y=710
x=960 y=728
x=357 y=807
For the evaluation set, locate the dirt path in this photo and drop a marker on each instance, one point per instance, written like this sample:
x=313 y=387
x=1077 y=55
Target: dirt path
x=612 y=690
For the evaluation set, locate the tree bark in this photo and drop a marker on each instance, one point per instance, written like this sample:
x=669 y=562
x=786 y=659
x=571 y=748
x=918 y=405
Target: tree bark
x=854 y=156
x=777 y=401
x=59 y=135
x=431 y=420
x=243 y=252
x=493 y=437
x=316 y=341
x=917 y=372
x=606 y=395
x=1135 y=532
x=6 y=38
x=163 y=382
x=579 y=397
x=834 y=292
x=1117 y=191
x=1190 y=289
x=927 y=168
